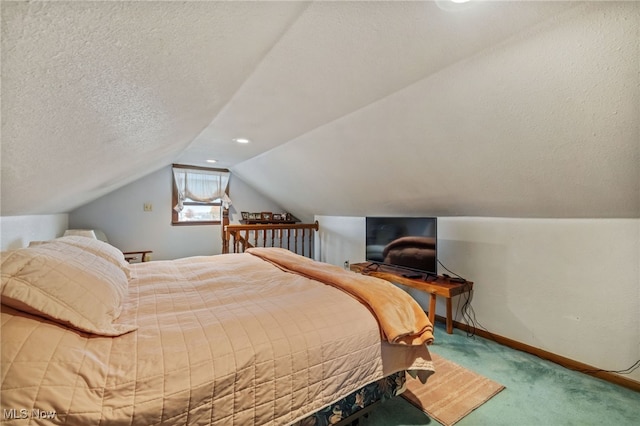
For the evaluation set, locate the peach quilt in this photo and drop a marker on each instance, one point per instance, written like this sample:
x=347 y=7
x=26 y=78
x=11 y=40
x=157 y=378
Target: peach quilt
x=220 y=340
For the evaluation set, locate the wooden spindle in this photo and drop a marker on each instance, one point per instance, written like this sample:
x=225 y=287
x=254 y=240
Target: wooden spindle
x=255 y=235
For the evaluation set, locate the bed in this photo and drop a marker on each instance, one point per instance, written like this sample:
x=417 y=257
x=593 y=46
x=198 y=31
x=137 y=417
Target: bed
x=261 y=337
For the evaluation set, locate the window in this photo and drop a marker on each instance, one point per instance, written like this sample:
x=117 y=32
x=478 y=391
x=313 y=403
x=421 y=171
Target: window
x=199 y=195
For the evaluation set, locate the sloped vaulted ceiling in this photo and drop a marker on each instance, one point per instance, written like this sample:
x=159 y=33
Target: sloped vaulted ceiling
x=527 y=109
x=98 y=94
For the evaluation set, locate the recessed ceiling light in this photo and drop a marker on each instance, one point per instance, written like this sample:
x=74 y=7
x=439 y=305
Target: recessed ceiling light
x=241 y=140
x=212 y=161
x=453 y=5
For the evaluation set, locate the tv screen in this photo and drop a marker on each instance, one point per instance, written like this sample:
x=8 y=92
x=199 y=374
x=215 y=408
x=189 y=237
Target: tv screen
x=407 y=242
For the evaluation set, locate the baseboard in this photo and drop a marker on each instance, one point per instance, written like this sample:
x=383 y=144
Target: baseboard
x=560 y=360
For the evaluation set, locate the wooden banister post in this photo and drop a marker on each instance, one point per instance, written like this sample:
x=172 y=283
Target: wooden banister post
x=225 y=231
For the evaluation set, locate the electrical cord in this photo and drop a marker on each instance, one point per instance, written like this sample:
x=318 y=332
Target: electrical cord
x=468 y=314
x=627 y=370
x=449 y=270
x=472 y=323
x=469 y=317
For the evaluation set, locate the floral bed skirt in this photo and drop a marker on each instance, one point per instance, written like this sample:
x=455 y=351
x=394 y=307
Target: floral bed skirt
x=384 y=388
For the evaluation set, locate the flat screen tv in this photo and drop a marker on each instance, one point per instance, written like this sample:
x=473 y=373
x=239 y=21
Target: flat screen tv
x=407 y=242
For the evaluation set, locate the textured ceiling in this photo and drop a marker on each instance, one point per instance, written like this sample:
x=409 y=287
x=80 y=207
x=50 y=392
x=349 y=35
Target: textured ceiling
x=523 y=109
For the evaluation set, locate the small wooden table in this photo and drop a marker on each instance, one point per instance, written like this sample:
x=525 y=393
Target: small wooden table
x=132 y=256
x=434 y=285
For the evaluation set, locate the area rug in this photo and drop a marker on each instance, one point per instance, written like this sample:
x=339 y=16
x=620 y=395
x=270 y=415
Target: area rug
x=451 y=393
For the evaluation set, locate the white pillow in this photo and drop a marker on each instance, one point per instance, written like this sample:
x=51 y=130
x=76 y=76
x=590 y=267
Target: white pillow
x=66 y=284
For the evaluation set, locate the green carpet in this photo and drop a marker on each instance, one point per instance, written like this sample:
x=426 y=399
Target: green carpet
x=538 y=392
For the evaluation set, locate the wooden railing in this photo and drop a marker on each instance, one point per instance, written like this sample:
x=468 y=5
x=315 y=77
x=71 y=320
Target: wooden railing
x=297 y=237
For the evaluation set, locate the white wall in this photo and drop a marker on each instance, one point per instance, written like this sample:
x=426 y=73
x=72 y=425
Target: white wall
x=340 y=239
x=121 y=216
x=567 y=286
x=18 y=231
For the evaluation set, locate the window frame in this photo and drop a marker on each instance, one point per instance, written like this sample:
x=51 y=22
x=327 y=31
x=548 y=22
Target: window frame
x=175 y=221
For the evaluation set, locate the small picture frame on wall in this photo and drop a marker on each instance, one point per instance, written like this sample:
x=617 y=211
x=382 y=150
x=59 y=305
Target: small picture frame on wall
x=266 y=215
x=245 y=215
x=252 y=216
x=277 y=216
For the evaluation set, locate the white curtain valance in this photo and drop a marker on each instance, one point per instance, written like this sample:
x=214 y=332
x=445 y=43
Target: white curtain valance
x=201 y=185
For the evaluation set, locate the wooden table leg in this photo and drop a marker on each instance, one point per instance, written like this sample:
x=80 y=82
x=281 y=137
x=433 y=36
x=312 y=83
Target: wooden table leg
x=449 y=317
x=432 y=309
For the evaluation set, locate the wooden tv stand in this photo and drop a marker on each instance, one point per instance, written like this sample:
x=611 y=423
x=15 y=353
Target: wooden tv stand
x=434 y=285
